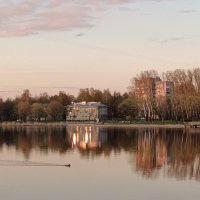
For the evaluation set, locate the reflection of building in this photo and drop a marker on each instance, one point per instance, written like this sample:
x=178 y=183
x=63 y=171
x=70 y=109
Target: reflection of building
x=151 y=153
x=161 y=153
x=85 y=137
x=91 y=111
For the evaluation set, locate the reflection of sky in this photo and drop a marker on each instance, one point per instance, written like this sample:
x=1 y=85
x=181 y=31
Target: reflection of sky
x=102 y=178
x=150 y=150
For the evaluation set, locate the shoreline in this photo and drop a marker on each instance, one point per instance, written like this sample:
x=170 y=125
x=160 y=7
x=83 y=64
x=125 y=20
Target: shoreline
x=105 y=125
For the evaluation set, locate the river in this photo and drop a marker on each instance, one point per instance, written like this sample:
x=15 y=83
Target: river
x=105 y=163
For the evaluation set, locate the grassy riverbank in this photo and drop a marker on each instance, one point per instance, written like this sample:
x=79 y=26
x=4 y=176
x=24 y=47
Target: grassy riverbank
x=107 y=124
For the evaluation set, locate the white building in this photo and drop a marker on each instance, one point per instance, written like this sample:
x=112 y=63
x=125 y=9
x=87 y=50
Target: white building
x=87 y=111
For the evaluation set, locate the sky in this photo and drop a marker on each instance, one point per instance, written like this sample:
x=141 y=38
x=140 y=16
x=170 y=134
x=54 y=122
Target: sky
x=65 y=45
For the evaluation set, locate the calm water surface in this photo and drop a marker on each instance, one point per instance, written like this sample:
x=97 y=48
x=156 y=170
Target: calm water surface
x=106 y=163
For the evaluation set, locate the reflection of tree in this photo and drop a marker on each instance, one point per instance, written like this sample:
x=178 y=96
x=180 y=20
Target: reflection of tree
x=101 y=141
x=151 y=152
x=176 y=151
x=92 y=141
x=184 y=158
x=44 y=139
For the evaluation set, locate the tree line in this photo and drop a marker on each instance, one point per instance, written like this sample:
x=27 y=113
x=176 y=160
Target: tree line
x=53 y=108
x=183 y=103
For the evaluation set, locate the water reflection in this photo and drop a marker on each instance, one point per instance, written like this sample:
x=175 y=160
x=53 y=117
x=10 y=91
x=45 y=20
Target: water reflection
x=42 y=139
x=152 y=152
x=176 y=152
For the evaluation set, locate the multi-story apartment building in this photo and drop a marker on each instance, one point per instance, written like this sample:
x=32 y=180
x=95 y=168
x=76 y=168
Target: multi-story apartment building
x=152 y=87
x=163 y=88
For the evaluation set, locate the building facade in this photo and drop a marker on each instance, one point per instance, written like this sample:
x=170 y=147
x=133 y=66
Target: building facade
x=152 y=87
x=163 y=88
x=87 y=111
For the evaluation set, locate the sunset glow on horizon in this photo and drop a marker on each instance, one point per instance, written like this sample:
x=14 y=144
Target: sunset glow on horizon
x=65 y=45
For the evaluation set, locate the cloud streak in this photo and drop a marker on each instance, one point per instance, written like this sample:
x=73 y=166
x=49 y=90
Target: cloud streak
x=188 y=11
x=25 y=17
x=172 y=39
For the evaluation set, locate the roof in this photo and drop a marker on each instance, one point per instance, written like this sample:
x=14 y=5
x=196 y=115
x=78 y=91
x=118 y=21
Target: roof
x=87 y=104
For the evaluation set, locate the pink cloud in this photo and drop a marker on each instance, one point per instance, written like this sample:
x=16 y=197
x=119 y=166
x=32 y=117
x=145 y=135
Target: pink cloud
x=33 y=16
x=24 y=17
